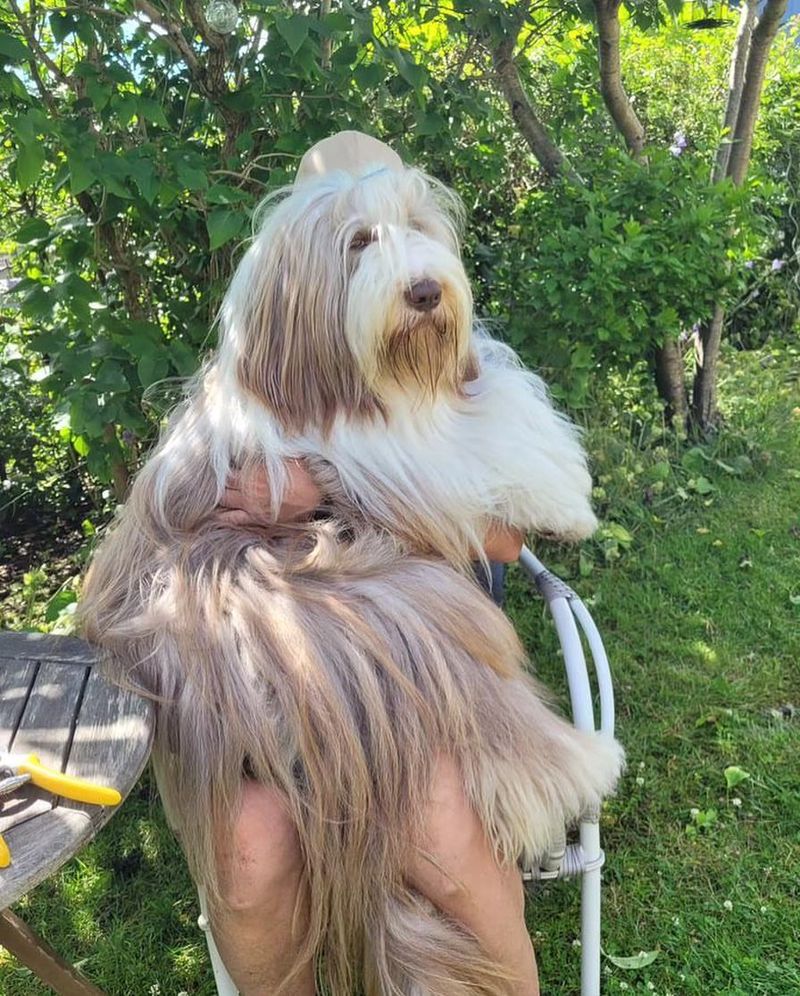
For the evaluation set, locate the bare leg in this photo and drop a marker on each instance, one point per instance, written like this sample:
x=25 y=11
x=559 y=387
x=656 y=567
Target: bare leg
x=471 y=889
x=262 y=878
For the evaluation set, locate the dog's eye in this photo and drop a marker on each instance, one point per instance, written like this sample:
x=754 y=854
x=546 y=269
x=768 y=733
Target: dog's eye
x=362 y=239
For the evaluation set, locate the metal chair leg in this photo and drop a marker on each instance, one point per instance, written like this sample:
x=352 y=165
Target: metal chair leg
x=225 y=984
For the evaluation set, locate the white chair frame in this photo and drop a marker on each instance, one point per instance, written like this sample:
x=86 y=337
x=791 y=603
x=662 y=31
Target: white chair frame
x=573 y=624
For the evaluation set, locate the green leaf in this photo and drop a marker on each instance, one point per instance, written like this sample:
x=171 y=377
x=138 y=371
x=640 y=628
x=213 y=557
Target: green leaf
x=81 y=446
x=61 y=25
x=220 y=194
x=694 y=460
x=223 y=226
x=99 y=93
x=32 y=230
x=191 y=177
x=153 y=366
x=660 y=471
x=145 y=178
x=12 y=48
x=110 y=377
x=293 y=30
x=369 y=75
x=81 y=174
x=735 y=776
x=151 y=110
x=414 y=74
x=30 y=160
x=703 y=486
x=58 y=603
x=183 y=357
x=613 y=530
x=430 y=124
x=641 y=960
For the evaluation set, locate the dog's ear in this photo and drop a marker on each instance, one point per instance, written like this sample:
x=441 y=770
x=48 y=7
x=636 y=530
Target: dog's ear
x=294 y=355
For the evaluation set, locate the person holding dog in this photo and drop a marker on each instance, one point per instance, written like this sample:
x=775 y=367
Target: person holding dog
x=349 y=743
x=262 y=865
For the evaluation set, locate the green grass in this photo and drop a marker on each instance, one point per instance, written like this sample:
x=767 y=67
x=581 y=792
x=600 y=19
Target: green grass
x=695 y=584
x=700 y=611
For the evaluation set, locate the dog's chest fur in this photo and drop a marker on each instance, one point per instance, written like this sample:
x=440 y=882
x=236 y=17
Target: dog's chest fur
x=448 y=465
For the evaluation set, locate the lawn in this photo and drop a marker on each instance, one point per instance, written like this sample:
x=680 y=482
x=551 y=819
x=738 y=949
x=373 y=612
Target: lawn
x=695 y=583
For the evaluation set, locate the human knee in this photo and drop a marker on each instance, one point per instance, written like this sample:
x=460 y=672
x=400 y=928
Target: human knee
x=260 y=861
x=452 y=852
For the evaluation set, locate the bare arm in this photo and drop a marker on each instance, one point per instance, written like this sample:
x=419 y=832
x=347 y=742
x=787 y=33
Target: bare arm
x=503 y=543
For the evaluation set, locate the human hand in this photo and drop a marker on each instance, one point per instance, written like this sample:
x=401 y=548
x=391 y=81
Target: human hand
x=246 y=499
x=503 y=543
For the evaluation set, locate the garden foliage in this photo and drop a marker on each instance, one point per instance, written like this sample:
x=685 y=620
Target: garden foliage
x=138 y=138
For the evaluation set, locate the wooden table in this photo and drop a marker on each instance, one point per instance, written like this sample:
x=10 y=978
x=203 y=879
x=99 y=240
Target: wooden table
x=54 y=703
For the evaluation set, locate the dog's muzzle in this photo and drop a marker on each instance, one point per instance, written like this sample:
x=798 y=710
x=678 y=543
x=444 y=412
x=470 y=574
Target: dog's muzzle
x=424 y=295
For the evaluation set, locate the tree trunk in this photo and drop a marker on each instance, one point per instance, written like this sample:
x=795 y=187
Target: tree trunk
x=671 y=384
x=669 y=372
x=704 y=387
x=614 y=96
x=710 y=336
x=741 y=48
x=760 y=45
x=550 y=157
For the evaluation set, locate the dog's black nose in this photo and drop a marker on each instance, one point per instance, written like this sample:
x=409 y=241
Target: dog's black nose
x=424 y=295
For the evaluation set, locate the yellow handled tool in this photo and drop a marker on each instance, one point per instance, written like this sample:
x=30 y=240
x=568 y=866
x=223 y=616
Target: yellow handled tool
x=58 y=783
x=21 y=768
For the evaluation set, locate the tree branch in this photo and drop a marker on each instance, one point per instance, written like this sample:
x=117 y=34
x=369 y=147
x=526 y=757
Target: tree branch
x=614 y=96
x=197 y=16
x=34 y=45
x=174 y=34
x=741 y=48
x=551 y=158
x=760 y=45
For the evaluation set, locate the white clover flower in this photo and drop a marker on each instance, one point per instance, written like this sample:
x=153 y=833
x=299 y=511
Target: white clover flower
x=694 y=811
x=728 y=904
x=736 y=801
x=576 y=943
x=640 y=780
x=762 y=909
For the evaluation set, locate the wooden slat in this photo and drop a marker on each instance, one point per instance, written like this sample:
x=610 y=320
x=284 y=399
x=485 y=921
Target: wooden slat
x=45 y=647
x=41 y=959
x=44 y=730
x=112 y=741
x=16 y=678
x=39 y=848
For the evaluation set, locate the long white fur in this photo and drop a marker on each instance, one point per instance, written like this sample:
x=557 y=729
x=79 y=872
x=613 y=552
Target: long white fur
x=501 y=451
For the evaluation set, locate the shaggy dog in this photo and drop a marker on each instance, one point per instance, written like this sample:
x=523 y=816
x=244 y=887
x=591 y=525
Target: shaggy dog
x=339 y=655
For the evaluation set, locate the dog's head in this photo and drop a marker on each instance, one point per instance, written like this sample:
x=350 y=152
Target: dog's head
x=351 y=291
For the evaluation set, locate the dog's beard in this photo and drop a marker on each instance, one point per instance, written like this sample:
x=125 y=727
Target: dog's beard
x=423 y=351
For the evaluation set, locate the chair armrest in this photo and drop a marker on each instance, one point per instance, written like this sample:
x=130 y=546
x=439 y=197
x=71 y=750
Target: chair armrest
x=574 y=623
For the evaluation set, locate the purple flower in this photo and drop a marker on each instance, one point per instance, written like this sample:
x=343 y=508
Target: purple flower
x=676 y=150
x=749 y=264
x=778 y=264
x=679 y=139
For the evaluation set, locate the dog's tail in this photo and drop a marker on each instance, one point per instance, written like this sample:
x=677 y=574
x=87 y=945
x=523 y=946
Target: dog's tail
x=412 y=950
